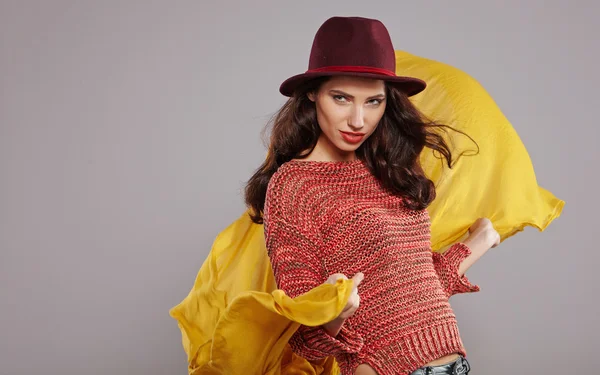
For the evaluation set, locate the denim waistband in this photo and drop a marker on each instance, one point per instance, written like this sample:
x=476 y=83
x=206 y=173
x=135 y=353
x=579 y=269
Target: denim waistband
x=458 y=367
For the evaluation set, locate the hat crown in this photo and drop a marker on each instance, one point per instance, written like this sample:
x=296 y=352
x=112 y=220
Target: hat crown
x=353 y=46
x=352 y=41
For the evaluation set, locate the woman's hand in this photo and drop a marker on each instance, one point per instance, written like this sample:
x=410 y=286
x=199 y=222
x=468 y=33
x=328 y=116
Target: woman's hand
x=334 y=327
x=482 y=237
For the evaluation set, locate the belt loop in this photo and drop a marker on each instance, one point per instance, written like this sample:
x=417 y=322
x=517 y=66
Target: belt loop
x=461 y=366
x=467 y=365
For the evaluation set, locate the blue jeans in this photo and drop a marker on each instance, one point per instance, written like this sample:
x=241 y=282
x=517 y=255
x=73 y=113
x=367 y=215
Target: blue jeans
x=458 y=367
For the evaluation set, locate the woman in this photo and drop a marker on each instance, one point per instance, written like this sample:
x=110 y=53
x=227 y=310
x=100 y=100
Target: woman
x=342 y=194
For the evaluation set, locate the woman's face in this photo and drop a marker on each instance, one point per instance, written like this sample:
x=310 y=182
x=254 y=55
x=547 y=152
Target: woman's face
x=348 y=111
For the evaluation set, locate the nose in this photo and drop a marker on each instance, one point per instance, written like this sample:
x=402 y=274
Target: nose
x=356 y=119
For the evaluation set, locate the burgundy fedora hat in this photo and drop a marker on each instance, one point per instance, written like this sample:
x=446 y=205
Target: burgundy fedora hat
x=353 y=46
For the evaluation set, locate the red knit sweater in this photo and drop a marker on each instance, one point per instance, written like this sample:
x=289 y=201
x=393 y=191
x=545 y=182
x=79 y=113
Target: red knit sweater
x=323 y=218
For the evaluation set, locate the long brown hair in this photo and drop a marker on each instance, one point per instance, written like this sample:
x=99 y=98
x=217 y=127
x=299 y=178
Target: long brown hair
x=391 y=152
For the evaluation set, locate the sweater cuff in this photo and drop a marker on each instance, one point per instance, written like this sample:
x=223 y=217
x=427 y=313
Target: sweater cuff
x=317 y=343
x=450 y=261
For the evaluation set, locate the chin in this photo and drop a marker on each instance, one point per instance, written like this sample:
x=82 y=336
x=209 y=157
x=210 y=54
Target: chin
x=348 y=148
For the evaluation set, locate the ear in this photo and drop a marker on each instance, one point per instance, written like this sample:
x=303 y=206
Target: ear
x=311 y=96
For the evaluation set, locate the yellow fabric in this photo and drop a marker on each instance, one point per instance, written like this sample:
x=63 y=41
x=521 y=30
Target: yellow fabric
x=235 y=321
x=499 y=182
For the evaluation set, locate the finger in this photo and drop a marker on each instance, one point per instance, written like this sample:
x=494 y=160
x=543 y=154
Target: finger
x=496 y=240
x=358 y=278
x=332 y=279
x=349 y=304
x=353 y=303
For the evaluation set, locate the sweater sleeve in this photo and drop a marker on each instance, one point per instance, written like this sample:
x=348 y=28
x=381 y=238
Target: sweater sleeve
x=298 y=268
x=447 y=264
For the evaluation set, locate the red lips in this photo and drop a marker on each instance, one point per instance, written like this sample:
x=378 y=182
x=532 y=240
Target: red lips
x=352 y=137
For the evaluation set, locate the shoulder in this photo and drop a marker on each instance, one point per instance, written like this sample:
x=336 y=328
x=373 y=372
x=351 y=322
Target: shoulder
x=286 y=181
x=288 y=192
x=286 y=177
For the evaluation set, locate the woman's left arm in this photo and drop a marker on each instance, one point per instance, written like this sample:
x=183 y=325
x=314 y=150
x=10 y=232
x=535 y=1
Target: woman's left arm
x=452 y=265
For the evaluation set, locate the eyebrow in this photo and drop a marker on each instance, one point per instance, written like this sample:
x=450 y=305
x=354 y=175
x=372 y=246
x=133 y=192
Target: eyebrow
x=339 y=92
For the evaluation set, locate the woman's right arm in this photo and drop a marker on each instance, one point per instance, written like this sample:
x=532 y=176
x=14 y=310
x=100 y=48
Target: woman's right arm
x=334 y=327
x=298 y=268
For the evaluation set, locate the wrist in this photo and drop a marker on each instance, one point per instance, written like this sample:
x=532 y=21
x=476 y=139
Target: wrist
x=334 y=327
x=478 y=243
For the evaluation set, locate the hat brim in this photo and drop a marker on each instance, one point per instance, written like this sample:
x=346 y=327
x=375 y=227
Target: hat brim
x=410 y=85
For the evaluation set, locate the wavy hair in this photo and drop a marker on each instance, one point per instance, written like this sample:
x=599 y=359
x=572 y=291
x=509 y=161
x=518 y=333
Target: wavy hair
x=391 y=152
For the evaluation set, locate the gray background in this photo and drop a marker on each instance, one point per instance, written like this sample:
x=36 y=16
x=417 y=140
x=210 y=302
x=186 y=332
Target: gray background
x=128 y=129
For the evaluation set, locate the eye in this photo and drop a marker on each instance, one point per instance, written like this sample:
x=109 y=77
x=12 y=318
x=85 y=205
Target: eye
x=340 y=98
x=375 y=102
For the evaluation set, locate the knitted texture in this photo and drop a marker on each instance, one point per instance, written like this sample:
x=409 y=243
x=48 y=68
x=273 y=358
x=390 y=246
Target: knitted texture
x=322 y=218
